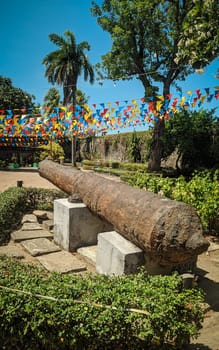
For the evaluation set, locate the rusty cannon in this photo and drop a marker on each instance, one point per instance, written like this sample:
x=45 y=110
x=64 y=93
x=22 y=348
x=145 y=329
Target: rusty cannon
x=169 y=232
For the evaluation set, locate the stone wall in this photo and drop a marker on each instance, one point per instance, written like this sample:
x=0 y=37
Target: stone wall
x=115 y=148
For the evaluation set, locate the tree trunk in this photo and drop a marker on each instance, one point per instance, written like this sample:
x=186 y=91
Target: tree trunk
x=156 y=146
x=156 y=150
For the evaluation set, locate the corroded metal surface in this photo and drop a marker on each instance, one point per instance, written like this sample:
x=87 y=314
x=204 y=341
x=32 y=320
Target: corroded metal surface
x=169 y=232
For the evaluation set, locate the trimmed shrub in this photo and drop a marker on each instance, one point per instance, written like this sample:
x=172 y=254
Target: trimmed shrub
x=134 y=166
x=201 y=191
x=12 y=207
x=46 y=311
x=115 y=165
x=42 y=198
x=17 y=201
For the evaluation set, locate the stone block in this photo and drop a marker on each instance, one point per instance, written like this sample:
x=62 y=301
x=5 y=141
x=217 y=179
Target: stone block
x=48 y=225
x=18 y=236
x=75 y=225
x=40 y=246
x=40 y=214
x=62 y=262
x=31 y=226
x=14 y=251
x=116 y=255
x=89 y=253
x=29 y=218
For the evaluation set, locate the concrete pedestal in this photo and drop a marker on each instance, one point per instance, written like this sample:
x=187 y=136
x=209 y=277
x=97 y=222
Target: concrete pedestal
x=116 y=255
x=75 y=226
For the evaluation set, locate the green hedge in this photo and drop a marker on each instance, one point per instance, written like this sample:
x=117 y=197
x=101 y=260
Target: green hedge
x=42 y=198
x=74 y=312
x=16 y=201
x=134 y=166
x=12 y=207
x=201 y=191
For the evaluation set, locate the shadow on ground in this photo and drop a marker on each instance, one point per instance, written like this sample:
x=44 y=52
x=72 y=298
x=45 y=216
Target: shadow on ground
x=210 y=288
x=198 y=347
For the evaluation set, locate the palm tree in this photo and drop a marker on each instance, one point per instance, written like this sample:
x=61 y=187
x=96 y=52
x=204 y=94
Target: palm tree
x=65 y=65
x=51 y=99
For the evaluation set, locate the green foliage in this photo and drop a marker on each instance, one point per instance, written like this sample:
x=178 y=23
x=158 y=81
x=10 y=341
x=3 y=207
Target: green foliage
x=95 y=312
x=51 y=99
x=199 y=147
x=157 y=42
x=115 y=165
x=42 y=198
x=16 y=201
x=201 y=44
x=201 y=191
x=65 y=65
x=12 y=97
x=3 y=164
x=12 y=208
x=134 y=150
x=133 y=166
x=53 y=150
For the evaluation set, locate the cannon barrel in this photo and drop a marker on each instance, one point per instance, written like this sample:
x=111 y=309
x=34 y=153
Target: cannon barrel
x=168 y=231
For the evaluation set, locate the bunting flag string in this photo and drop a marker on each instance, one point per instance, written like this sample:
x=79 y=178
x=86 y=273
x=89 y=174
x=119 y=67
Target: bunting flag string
x=38 y=125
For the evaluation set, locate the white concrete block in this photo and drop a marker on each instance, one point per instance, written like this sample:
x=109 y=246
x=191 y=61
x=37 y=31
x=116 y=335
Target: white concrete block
x=75 y=225
x=116 y=255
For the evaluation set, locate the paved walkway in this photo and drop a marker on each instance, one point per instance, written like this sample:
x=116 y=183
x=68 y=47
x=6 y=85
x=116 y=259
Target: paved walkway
x=29 y=176
x=33 y=243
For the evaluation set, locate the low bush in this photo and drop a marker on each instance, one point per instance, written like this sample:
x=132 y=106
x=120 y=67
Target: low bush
x=88 y=167
x=134 y=166
x=42 y=198
x=41 y=311
x=201 y=191
x=16 y=201
x=53 y=150
x=91 y=163
x=12 y=207
x=115 y=165
x=3 y=163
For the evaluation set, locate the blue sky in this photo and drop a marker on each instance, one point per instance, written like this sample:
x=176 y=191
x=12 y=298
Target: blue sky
x=24 y=29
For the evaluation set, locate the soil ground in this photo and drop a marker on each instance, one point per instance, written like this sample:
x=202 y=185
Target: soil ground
x=207 y=267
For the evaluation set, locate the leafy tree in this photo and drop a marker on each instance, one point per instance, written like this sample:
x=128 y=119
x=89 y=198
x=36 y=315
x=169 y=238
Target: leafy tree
x=65 y=65
x=195 y=135
x=158 y=41
x=134 y=149
x=12 y=97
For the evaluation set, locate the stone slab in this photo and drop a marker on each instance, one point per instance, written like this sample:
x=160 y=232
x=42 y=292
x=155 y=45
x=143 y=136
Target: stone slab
x=30 y=226
x=12 y=251
x=62 y=262
x=29 y=218
x=41 y=214
x=89 y=253
x=213 y=246
x=40 y=246
x=116 y=255
x=49 y=215
x=21 y=235
x=48 y=225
